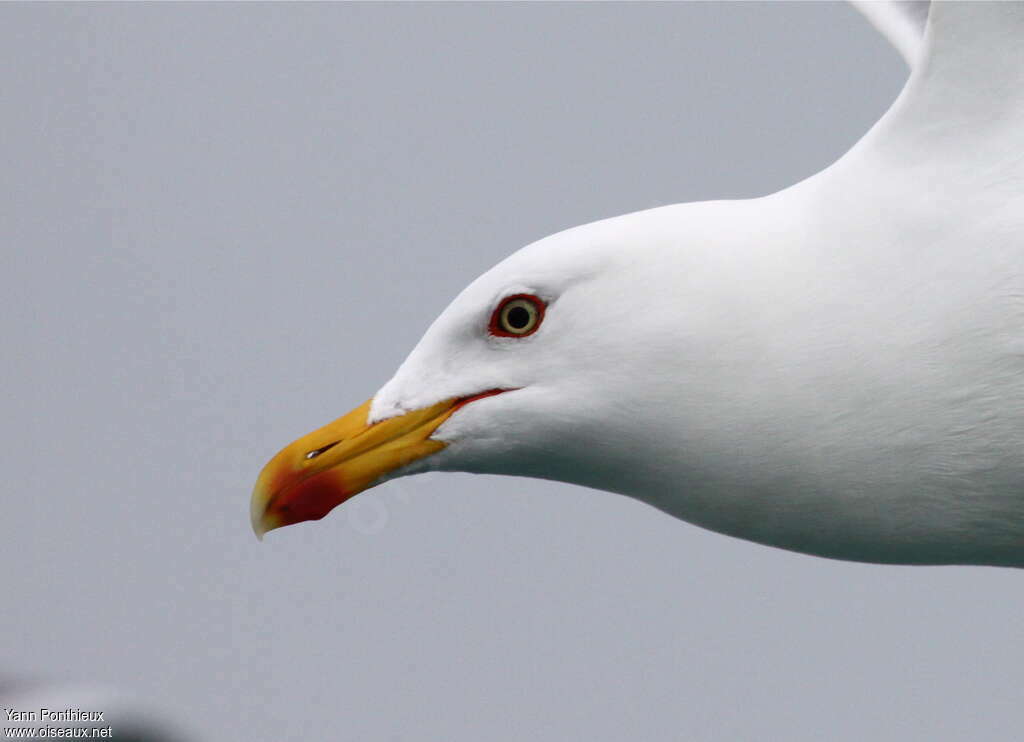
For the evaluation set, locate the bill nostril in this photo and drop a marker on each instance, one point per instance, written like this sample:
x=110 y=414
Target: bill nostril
x=317 y=452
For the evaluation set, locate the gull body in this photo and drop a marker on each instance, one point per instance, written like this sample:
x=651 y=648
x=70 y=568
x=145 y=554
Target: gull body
x=836 y=368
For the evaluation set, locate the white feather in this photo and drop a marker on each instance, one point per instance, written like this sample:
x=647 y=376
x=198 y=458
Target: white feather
x=837 y=368
x=902 y=22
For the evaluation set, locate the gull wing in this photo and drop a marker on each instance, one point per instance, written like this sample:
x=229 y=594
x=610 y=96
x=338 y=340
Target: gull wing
x=965 y=95
x=902 y=22
x=958 y=124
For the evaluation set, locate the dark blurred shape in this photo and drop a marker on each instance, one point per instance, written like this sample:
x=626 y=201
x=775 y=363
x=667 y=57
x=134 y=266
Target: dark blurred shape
x=130 y=719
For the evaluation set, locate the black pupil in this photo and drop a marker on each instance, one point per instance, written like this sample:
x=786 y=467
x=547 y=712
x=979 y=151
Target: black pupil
x=517 y=318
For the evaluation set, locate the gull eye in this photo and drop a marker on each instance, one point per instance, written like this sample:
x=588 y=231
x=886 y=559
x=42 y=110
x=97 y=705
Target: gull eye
x=517 y=316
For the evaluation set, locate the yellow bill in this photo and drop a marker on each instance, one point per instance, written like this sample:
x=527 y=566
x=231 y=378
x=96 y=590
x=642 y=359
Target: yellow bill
x=318 y=472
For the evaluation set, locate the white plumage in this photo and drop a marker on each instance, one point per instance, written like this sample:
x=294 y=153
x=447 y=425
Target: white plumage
x=902 y=22
x=837 y=368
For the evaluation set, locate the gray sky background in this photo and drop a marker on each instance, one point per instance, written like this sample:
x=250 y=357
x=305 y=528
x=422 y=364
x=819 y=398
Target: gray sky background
x=224 y=225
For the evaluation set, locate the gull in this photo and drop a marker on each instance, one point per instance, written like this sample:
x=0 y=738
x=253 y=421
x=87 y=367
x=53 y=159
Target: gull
x=835 y=369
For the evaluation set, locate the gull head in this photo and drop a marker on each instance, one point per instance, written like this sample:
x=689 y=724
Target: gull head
x=559 y=363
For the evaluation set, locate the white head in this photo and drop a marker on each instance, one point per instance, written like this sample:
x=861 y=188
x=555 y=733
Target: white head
x=694 y=357
x=571 y=331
